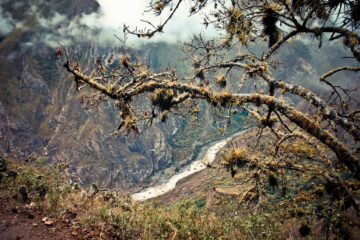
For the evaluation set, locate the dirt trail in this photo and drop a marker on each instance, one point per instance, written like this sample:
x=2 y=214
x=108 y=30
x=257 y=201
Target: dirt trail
x=26 y=223
x=20 y=222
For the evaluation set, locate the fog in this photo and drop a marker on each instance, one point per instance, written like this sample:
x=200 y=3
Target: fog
x=100 y=27
x=114 y=14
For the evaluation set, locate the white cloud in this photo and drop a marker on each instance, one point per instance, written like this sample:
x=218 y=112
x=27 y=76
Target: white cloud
x=115 y=13
x=6 y=22
x=54 y=21
x=100 y=27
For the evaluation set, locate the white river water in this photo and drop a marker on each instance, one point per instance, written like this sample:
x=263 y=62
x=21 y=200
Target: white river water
x=196 y=166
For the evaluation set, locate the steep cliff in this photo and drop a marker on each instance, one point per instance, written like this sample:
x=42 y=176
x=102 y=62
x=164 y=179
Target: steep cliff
x=41 y=113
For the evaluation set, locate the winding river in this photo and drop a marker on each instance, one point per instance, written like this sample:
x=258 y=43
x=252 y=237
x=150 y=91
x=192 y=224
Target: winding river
x=197 y=165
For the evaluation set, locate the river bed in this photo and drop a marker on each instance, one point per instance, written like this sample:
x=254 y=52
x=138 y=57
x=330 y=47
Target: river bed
x=197 y=165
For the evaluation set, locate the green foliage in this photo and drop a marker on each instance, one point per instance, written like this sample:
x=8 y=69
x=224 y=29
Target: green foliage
x=22 y=190
x=262 y=224
x=189 y=219
x=46 y=186
x=238 y=25
x=3 y=164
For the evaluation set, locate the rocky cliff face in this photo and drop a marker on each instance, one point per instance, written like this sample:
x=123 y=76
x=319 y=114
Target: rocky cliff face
x=41 y=113
x=44 y=116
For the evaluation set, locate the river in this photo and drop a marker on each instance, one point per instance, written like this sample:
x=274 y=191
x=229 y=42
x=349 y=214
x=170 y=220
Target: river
x=197 y=165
